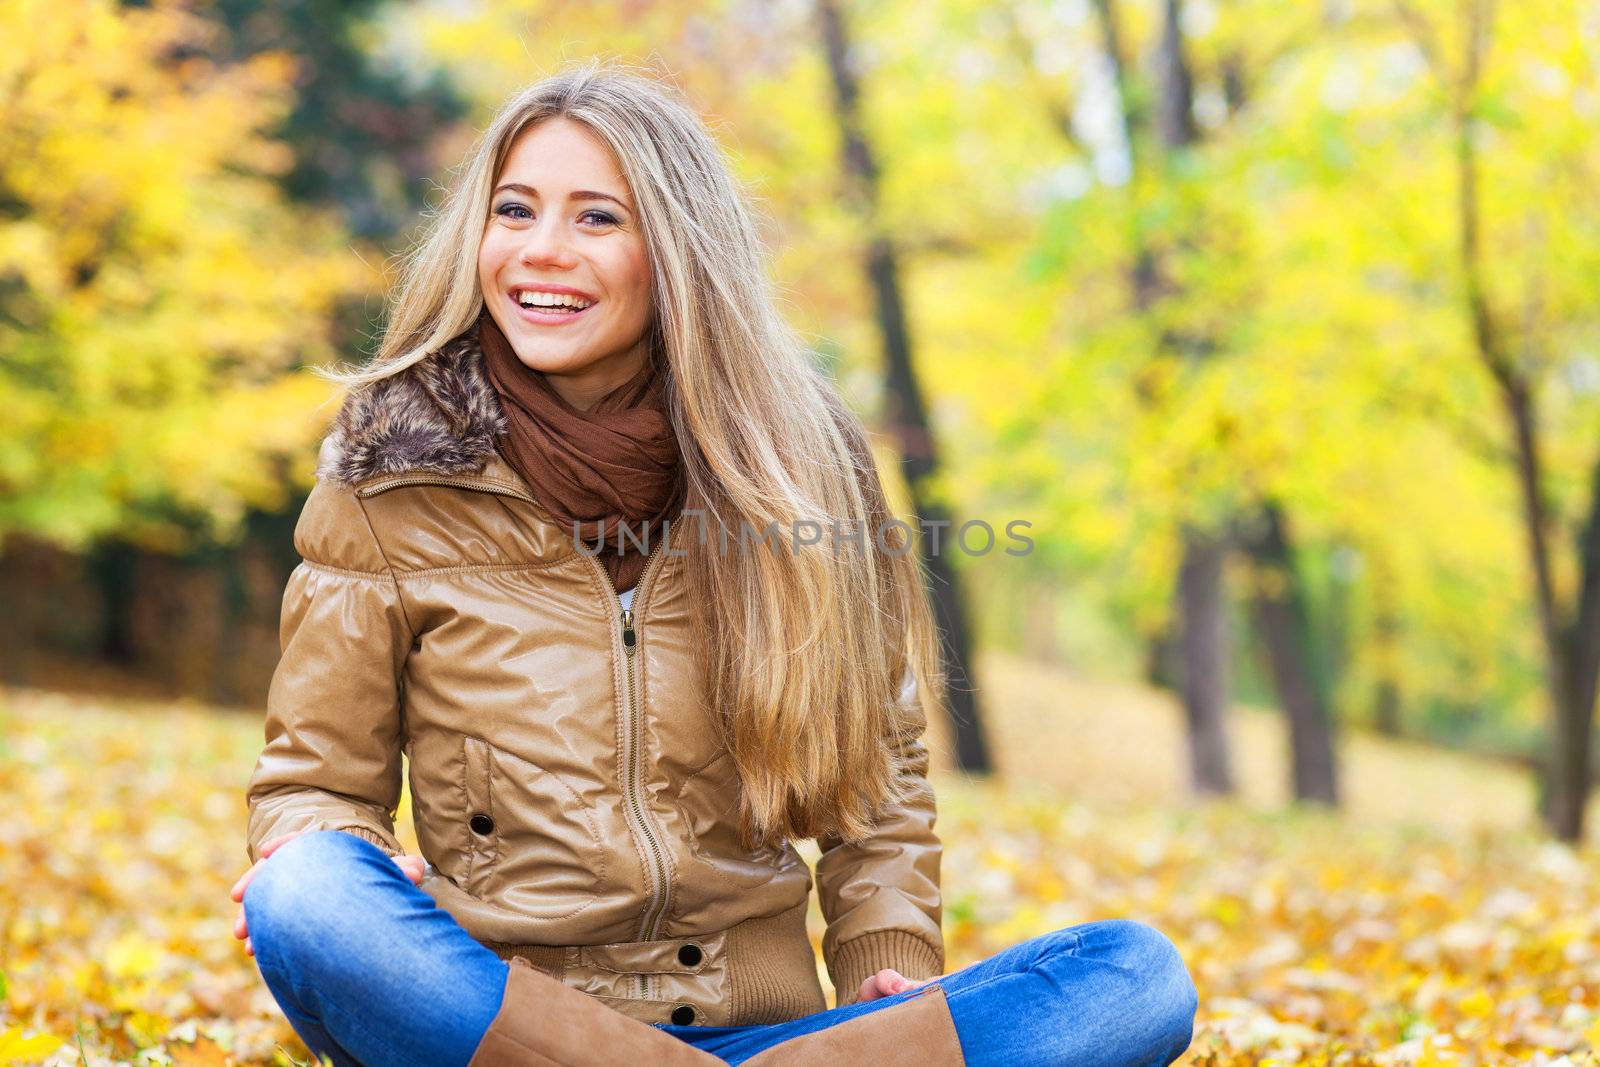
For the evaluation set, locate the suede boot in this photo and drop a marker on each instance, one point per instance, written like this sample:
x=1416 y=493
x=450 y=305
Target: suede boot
x=544 y=1022
x=918 y=1032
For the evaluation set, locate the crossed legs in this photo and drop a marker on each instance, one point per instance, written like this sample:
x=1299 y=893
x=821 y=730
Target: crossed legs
x=370 y=971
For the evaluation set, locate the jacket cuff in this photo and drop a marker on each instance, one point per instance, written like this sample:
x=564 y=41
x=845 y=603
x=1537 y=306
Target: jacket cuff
x=385 y=843
x=860 y=958
x=388 y=844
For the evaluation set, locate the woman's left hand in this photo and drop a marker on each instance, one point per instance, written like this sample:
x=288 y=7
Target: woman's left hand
x=888 y=982
x=414 y=867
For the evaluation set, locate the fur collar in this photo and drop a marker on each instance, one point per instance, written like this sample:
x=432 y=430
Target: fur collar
x=441 y=415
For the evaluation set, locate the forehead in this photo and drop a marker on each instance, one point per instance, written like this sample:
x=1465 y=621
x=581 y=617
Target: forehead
x=560 y=154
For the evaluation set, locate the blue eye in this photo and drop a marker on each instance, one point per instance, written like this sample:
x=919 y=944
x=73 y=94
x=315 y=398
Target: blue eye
x=600 y=218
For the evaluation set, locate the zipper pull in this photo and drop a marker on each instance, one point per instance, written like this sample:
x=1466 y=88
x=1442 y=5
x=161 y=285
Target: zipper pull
x=629 y=638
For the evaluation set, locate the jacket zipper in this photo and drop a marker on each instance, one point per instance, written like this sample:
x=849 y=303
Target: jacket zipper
x=660 y=892
x=634 y=732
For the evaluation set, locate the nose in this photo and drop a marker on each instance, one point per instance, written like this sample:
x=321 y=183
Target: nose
x=545 y=244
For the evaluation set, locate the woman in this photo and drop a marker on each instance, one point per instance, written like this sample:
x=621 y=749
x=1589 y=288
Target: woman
x=538 y=561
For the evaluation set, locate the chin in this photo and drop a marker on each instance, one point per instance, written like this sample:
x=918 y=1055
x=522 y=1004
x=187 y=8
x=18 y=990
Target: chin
x=547 y=362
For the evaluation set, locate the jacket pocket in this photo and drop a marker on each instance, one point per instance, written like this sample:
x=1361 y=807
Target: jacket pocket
x=532 y=844
x=483 y=831
x=708 y=802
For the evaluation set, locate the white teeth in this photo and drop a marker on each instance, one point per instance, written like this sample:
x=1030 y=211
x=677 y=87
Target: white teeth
x=531 y=298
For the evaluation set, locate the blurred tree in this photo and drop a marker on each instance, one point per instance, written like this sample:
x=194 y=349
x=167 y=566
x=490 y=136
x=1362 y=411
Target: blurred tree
x=365 y=125
x=1176 y=207
x=1284 y=623
x=158 y=297
x=156 y=290
x=1201 y=591
x=1522 y=315
x=364 y=130
x=1387 y=699
x=906 y=410
x=1350 y=402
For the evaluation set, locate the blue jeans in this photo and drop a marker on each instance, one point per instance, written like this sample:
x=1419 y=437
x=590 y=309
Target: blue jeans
x=369 y=970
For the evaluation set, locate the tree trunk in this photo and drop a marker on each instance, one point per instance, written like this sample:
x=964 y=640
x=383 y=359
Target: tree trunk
x=1567 y=762
x=1585 y=633
x=1202 y=606
x=907 y=413
x=1571 y=715
x=112 y=566
x=1578 y=666
x=16 y=620
x=1203 y=609
x=1176 y=108
x=1386 y=708
x=1285 y=626
x=1201 y=589
x=1386 y=699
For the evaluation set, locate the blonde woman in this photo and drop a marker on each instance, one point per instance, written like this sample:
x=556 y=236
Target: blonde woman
x=558 y=556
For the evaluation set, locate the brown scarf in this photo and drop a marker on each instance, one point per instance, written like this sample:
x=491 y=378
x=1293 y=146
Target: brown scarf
x=592 y=470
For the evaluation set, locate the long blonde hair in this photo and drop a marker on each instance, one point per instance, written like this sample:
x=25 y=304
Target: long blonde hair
x=806 y=646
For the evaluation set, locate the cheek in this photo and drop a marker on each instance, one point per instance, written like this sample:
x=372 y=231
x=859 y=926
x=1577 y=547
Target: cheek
x=491 y=254
x=635 y=268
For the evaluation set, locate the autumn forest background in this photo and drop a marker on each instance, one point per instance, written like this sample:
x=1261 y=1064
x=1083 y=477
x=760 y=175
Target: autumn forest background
x=1279 y=323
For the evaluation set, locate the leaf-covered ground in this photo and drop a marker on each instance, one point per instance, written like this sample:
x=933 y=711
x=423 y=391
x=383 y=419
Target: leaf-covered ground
x=1313 y=939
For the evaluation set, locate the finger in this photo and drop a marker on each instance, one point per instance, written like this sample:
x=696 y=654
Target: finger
x=247 y=878
x=237 y=892
x=269 y=847
x=895 y=982
x=249 y=949
x=878 y=985
x=412 y=866
x=241 y=930
x=902 y=983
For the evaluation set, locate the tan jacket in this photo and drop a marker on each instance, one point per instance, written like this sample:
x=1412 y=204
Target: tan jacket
x=569 y=792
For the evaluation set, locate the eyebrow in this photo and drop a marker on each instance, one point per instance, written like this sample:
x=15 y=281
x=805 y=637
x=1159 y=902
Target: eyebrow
x=577 y=194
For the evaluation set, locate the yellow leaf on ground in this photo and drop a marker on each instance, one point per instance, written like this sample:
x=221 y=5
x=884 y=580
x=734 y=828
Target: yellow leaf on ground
x=15 y=1047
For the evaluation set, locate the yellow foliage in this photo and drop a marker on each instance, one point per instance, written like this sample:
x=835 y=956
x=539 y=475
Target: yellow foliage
x=157 y=291
x=1311 y=939
x=132 y=956
x=16 y=1046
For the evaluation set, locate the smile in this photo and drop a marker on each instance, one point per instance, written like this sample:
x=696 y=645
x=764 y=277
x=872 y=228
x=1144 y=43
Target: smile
x=547 y=308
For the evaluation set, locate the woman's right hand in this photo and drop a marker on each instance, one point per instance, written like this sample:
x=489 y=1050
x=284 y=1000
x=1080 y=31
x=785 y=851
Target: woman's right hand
x=412 y=866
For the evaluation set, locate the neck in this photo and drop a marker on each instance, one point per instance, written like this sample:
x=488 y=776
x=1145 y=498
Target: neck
x=585 y=388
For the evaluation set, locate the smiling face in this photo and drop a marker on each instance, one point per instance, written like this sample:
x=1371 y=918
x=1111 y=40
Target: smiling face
x=563 y=265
